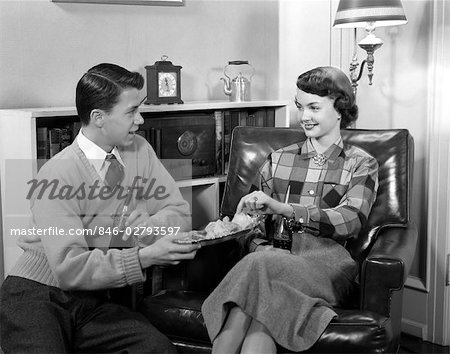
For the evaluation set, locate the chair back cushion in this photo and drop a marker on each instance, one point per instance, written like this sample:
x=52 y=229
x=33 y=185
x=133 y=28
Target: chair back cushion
x=393 y=149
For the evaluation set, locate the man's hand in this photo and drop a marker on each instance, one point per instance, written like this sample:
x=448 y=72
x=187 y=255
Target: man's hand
x=135 y=219
x=166 y=251
x=136 y=225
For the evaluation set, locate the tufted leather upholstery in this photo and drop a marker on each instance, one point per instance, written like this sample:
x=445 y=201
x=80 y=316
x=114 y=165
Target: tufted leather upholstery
x=385 y=250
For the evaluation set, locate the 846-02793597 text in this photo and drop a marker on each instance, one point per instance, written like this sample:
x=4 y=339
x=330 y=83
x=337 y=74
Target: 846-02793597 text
x=138 y=230
x=152 y=230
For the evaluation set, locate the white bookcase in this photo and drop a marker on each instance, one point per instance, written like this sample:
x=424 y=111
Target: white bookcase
x=18 y=152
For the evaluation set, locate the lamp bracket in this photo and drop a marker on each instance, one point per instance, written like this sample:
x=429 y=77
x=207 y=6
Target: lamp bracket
x=364 y=62
x=370 y=48
x=354 y=77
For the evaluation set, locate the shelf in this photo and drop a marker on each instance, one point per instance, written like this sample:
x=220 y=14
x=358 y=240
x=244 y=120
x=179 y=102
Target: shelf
x=55 y=112
x=200 y=181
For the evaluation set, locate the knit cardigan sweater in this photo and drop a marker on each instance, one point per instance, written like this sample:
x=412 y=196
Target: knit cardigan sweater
x=74 y=200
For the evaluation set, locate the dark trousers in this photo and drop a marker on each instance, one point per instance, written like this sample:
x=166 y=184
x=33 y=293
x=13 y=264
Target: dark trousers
x=36 y=318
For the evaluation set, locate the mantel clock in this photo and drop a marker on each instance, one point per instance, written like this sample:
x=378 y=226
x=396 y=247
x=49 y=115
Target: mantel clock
x=163 y=82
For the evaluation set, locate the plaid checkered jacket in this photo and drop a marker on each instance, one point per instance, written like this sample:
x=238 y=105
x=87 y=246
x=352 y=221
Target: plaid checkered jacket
x=332 y=200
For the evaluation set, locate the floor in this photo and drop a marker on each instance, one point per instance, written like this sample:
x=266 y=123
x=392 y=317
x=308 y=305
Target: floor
x=410 y=344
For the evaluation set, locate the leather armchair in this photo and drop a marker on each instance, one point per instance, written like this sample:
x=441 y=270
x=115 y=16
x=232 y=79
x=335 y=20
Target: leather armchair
x=385 y=249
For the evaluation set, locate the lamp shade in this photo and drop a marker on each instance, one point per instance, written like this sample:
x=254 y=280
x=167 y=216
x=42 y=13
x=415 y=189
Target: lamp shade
x=356 y=13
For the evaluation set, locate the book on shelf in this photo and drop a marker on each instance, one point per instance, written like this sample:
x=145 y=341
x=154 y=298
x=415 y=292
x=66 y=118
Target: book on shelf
x=43 y=146
x=226 y=141
x=260 y=118
x=270 y=118
x=59 y=139
x=66 y=138
x=219 y=147
x=154 y=138
x=243 y=118
x=234 y=120
x=54 y=139
x=51 y=140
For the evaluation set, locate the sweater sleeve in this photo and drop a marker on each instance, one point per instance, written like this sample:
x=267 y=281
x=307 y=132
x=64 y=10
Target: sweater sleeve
x=73 y=263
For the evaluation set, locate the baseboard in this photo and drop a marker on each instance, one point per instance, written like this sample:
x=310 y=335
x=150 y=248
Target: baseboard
x=416 y=283
x=414 y=328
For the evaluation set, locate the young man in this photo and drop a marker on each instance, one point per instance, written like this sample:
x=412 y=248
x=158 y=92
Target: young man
x=56 y=298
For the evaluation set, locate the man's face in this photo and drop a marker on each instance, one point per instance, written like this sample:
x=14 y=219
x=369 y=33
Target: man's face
x=122 y=122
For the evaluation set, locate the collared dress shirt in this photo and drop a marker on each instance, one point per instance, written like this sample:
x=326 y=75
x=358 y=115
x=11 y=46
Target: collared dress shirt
x=330 y=200
x=96 y=155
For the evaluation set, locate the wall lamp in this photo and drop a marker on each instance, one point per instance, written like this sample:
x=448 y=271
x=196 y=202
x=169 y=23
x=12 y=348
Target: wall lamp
x=368 y=14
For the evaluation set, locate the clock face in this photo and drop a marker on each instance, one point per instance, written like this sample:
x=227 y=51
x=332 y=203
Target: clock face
x=167 y=84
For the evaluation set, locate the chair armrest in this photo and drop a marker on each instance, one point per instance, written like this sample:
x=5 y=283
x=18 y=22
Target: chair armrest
x=386 y=267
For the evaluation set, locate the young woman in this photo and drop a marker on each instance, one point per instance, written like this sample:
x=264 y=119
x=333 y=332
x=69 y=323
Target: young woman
x=286 y=298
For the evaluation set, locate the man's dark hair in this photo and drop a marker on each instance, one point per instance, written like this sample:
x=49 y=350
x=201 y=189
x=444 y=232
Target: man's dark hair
x=101 y=87
x=331 y=82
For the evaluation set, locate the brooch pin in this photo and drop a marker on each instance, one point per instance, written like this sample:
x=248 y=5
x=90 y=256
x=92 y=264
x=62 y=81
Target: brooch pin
x=320 y=159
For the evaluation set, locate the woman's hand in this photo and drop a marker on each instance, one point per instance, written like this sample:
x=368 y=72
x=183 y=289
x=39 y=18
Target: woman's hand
x=260 y=203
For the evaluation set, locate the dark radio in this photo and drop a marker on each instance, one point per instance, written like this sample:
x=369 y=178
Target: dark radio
x=182 y=137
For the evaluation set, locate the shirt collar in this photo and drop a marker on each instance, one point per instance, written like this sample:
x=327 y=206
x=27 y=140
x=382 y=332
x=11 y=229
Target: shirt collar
x=94 y=153
x=307 y=150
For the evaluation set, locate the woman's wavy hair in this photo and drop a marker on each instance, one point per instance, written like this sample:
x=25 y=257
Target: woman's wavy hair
x=101 y=87
x=331 y=82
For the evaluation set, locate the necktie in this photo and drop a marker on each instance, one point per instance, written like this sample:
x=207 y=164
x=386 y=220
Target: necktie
x=115 y=173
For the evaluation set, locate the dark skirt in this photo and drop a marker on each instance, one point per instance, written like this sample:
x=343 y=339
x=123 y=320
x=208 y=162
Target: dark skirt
x=290 y=294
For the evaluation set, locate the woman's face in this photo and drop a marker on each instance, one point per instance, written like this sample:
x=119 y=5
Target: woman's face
x=318 y=117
